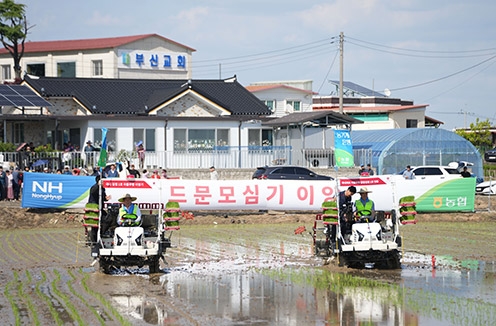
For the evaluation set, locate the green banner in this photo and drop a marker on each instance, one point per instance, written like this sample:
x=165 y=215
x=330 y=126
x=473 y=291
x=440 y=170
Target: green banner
x=343 y=150
x=451 y=196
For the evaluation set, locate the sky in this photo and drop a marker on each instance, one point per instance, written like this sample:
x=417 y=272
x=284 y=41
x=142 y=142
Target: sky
x=441 y=53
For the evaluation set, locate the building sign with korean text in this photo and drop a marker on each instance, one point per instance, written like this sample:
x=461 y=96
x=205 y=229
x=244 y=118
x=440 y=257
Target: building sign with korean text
x=155 y=60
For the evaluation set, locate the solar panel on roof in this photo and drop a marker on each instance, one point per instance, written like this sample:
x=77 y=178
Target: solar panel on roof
x=4 y=101
x=6 y=90
x=19 y=100
x=22 y=90
x=20 y=96
x=37 y=101
x=349 y=86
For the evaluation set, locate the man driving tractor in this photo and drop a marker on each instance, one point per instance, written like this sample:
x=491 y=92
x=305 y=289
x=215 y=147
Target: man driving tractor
x=129 y=213
x=364 y=207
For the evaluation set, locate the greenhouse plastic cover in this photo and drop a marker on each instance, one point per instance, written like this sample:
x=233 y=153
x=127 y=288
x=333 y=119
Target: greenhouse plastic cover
x=394 y=149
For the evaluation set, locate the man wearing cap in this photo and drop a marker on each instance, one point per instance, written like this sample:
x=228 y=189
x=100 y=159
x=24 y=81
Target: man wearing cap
x=129 y=213
x=364 y=206
x=88 y=151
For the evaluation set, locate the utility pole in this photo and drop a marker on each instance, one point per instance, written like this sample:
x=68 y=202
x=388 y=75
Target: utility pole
x=341 y=40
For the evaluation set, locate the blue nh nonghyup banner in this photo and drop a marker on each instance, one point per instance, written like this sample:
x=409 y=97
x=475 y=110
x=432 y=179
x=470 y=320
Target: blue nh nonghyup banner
x=47 y=190
x=343 y=149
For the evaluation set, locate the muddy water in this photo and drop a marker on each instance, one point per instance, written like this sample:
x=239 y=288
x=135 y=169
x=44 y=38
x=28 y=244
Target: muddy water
x=225 y=280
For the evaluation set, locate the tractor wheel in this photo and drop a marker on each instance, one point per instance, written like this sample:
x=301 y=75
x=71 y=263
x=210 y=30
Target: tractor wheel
x=343 y=262
x=154 y=265
x=104 y=265
x=393 y=261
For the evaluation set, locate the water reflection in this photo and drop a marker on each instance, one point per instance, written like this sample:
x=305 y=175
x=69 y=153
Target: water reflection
x=285 y=295
x=145 y=309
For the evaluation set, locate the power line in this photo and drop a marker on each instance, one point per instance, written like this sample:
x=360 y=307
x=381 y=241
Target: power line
x=270 y=52
x=445 y=77
x=421 y=51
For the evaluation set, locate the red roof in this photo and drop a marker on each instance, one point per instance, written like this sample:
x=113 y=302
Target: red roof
x=87 y=44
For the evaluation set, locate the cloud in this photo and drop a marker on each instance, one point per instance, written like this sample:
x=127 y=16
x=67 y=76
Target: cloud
x=99 y=19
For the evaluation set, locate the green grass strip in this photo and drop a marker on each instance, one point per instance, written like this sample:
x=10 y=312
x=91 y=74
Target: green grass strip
x=86 y=303
x=13 y=304
x=104 y=302
x=47 y=300
x=32 y=308
x=72 y=310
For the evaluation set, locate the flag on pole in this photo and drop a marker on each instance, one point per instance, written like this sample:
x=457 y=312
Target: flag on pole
x=343 y=149
x=102 y=160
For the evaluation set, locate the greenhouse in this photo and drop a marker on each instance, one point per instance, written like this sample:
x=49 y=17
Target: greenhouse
x=393 y=149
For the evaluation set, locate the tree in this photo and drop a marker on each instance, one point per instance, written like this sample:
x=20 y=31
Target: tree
x=479 y=134
x=13 y=31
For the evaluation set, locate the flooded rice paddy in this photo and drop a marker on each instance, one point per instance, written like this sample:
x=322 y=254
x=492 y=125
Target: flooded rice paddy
x=259 y=280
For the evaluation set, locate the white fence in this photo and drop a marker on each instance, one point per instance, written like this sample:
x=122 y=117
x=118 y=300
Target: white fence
x=247 y=157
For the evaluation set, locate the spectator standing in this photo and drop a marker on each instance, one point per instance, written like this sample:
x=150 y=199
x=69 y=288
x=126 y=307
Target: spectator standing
x=369 y=169
x=213 y=173
x=145 y=174
x=89 y=150
x=112 y=172
x=465 y=173
x=132 y=170
x=408 y=173
x=361 y=171
x=17 y=180
x=141 y=154
x=10 y=185
x=3 y=184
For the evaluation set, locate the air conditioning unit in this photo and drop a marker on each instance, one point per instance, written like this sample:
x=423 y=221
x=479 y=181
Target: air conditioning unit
x=319 y=162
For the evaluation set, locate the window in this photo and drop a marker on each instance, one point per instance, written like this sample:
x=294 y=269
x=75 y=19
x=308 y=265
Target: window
x=428 y=171
x=36 y=69
x=293 y=106
x=260 y=137
x=180 y=140
x=97 y=67
x=6 y=72
x=18 y=133
x=147 y=136
x=222 y=137
x=201 y=139
x=66 y=69
x=410 y=123
x=271 y=104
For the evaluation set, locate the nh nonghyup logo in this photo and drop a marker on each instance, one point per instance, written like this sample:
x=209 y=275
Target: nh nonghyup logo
x=47 y=190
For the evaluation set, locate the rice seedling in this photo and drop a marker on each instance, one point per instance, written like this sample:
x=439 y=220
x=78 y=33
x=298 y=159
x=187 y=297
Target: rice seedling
x=67 y=303
x=104 y=302
x=83 y=300
x=10 y=298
